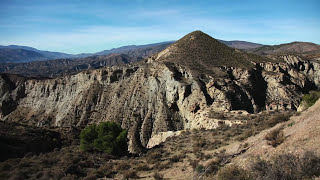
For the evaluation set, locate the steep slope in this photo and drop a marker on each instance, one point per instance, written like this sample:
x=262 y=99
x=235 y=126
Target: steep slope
x=164 y=94
x=300 y=135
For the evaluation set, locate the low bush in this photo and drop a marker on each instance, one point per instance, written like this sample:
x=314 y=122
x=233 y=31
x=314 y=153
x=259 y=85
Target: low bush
x=177 y=158
x=275 y=137
x=233 y=172
x=279 y=118
x=122 y=166
x=130 y=175
x=199 y=168
x=142 y=167
x=157 y=176
x=153 y=156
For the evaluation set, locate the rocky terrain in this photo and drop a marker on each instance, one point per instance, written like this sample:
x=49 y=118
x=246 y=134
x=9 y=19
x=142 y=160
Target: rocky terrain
x=180 y=88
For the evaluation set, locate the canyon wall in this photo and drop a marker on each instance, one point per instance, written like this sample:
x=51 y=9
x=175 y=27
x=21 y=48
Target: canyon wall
x=154 y=97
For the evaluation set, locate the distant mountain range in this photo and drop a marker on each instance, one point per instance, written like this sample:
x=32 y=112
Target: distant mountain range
x=28 y=61
x=18 y=54
x=14 y=53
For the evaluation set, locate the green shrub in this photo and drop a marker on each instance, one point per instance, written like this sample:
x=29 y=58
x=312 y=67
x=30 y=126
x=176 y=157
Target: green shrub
x=199 y=169
x=311 y=98
x=107 y=137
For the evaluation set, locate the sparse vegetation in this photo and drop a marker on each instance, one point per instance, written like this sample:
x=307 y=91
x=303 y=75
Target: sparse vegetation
x=291 y=124
x=283 y=166
x=195 y=149
x=288 y=166
x=154 y=156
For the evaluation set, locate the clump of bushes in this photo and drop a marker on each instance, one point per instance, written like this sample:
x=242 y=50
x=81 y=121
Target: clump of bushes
x=311 y=98
x=282 y=117
x=154 y=156
x=130 y=175
x=233 y=172
x=107 y=137
x=275 y=137
x=288 y=166
x=199 y=168
x=177 y=158
x=157 y=176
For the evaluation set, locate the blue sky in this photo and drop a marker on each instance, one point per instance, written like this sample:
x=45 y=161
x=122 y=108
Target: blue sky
x=86 y=26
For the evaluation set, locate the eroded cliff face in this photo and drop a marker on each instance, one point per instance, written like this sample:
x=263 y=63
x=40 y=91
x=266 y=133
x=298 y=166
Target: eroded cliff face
x=155 y=97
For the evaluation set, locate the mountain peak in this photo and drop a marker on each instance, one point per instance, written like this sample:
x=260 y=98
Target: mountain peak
x=200 y=52
x=196 y=34
x=197 y=37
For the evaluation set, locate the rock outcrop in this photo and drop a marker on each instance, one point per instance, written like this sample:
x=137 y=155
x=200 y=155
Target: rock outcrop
x=155 y=96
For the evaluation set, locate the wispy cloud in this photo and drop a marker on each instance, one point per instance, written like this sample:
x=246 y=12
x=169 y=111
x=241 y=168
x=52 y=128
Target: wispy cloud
x=86 y=26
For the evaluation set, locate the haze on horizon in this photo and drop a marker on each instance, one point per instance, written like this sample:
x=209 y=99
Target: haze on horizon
x=90 y=26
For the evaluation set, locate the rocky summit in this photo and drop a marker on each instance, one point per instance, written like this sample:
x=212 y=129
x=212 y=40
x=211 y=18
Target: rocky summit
x=176 y=89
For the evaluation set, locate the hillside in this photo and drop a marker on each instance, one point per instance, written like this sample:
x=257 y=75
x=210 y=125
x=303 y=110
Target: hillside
x=241 y=44
x=55 y=68
x=201 y=53
x=137 y=50
x=305 y=49
x=163 y=96
x=18 y=55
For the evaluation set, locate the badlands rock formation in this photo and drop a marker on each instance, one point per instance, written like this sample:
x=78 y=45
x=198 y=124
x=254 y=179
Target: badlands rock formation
x=160 y=95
